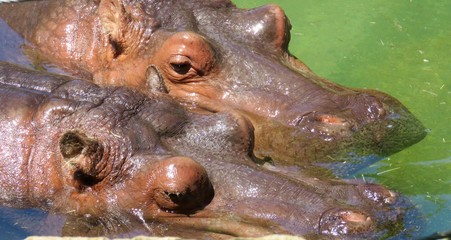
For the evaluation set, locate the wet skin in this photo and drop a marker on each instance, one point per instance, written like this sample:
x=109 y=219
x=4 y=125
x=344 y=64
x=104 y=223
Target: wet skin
x=141 y=163
x=213 y=57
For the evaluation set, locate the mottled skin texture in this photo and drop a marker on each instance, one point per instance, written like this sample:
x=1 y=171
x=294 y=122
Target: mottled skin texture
x=214 y=57
x=116 y=161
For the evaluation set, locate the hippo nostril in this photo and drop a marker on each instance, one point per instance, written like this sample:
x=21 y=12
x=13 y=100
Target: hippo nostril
x=177 y=197
x=183 y=199
x=370 y=107
x=316 y=117
x=326 y=125
x=183 y=186
x=338 y=222
x=330 y=119
x=355 y=217
x=379 y=194
x=377 y=110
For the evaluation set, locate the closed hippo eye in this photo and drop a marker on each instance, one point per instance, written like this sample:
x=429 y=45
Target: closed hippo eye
x=82 y=157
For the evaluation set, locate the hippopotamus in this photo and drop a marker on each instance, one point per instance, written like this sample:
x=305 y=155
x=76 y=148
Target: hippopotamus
x=213 y=57
x=117 y=156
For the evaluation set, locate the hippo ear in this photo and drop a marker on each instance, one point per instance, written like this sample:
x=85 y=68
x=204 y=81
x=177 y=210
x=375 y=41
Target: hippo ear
x=155 y=81
x=124 y=23
x=266 y=24
x=112 y=15
x=83 y=155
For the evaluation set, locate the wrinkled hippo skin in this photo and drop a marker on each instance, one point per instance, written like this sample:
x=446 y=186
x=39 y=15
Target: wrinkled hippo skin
x=113 y=160
x=214 y=57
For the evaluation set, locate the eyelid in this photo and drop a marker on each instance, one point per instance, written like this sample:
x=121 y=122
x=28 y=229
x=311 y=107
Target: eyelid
x=179 y=59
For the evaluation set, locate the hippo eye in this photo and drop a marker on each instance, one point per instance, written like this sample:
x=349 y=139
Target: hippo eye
x=186 y=57
x=180 y=64
x=181 y=68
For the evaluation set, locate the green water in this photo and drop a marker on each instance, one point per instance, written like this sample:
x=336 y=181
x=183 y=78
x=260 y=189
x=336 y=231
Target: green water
x=402 y=47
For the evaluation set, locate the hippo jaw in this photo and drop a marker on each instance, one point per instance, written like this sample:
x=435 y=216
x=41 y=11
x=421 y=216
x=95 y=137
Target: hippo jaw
x=254 y=74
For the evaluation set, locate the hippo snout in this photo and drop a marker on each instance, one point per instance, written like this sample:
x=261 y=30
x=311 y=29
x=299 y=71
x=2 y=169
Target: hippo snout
x=345 y=115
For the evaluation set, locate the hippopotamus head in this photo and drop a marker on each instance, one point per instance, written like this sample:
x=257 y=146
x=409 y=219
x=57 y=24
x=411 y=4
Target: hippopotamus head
x=216 y=57
x=213 y=57
x=110 y=157
x=84 y=151
x=72 y=147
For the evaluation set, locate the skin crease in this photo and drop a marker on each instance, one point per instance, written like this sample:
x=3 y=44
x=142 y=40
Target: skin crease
x=127 y=161
x=213 y=57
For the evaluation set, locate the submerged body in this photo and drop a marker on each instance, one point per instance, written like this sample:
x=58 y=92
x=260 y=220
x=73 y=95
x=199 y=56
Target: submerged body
x=113 y=159
x=214 y=57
